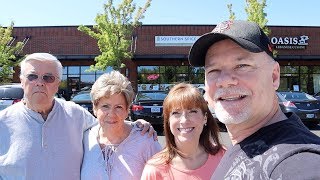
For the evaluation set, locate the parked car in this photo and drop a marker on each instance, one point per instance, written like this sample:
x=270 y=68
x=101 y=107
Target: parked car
x=83 y=98
x=13 y=93
x=147 y=105
x=317 y=96
x=302 y=104
x=10 y=94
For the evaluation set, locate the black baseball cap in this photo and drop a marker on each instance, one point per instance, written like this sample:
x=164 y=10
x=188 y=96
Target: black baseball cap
x=246 y=34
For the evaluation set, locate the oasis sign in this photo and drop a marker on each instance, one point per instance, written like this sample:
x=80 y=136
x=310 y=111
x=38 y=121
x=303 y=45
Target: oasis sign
x=298 y=42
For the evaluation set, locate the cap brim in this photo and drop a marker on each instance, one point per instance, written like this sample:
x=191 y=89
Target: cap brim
x=199 y=49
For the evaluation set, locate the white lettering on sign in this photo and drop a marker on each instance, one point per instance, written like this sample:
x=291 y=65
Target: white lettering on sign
x=299 y=42
x=175 y=40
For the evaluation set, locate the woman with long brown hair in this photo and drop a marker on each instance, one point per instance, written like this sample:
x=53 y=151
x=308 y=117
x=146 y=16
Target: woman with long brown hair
x=193 y=149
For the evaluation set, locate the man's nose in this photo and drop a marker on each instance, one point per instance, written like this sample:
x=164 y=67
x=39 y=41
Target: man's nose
x=226 y=78
x=39 y=81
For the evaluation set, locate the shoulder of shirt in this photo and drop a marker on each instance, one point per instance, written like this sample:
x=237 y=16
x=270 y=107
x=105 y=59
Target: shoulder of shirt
x=69 y=104
x=11 y=109
x=142 y=141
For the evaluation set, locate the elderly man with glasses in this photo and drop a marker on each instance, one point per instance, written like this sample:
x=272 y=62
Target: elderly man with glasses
x=41 y=136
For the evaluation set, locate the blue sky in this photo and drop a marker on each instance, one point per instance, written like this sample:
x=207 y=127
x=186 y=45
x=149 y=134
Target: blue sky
x=76 y=12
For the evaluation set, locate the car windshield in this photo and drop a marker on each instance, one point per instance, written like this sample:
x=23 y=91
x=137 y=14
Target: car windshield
x=144 y=96
x=84 y=96
x=281 y=98
x=11 y=93
x=296 y=96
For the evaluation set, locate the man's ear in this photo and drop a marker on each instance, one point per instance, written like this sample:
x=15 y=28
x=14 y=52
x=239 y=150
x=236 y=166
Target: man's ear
x=276 y=75
x=21 y=82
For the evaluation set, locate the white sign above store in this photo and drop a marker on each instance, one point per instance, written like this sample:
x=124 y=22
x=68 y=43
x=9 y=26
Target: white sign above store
x=297 y=42
x=175 y=40
x=282 y=42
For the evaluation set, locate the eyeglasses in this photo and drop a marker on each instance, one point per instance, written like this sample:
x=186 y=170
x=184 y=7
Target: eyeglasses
x=48 y=78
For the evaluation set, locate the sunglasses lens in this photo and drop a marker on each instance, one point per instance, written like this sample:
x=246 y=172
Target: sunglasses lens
x=48 y=78
x=32 y=77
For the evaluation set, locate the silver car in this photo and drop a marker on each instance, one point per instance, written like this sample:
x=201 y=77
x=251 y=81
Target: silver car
x=10 y=94
x=13 y=93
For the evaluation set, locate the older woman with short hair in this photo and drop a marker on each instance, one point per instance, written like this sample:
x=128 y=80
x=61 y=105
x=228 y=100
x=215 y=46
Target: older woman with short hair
x=114 y=149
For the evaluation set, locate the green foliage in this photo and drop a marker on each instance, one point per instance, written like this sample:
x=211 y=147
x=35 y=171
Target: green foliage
x=255 y=12
x=8 y=53
x=232 y=15
x=113 y=32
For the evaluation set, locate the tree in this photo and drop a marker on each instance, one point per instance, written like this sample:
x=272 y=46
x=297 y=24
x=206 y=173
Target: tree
x=8 y=53
x=232 y=14
x=113 y=32
x=255 y=12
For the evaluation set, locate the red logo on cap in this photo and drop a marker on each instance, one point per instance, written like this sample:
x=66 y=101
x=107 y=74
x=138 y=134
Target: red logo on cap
x=222 y=26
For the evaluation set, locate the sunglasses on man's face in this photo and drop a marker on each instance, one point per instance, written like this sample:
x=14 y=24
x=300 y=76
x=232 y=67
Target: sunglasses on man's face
x=46 y=78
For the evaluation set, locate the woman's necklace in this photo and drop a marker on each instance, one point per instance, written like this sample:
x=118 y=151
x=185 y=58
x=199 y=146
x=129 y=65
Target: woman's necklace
x=108 y=151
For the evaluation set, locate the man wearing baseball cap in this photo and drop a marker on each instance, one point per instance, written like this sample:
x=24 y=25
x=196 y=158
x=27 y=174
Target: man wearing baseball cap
x=241 y=79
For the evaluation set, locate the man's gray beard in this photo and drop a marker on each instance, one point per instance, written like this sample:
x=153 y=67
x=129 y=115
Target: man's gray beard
x=226 y=118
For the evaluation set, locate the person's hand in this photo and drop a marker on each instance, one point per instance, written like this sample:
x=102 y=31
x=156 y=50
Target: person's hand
x=146 y=127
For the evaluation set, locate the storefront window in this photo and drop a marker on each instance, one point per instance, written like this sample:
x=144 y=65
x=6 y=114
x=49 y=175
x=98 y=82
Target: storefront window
x=78 y=78
x=85 y=70
x=73 y=69
x=306 y=78
x=196 y=75
x=65 y=70
x=316 y=69
x=316 y=83
x=300 y=78
x=164 y=77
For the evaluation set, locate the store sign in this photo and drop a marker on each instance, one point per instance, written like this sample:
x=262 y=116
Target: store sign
x=298 y=42
x=175 y=40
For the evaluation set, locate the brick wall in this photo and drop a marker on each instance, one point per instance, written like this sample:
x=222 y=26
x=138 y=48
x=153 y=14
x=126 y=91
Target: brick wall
x=67 y=40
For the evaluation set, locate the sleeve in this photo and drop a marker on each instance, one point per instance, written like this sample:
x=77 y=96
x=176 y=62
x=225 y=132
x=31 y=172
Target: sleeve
x=305 y=165
x=151 y=148
x=89 y=120
x=151 y=173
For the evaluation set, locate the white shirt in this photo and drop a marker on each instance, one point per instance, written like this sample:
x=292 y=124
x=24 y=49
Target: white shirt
x=34 y=149
x=127 y=160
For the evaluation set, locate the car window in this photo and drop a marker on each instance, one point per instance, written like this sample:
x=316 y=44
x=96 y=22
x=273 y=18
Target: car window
x=202 y=90
x=142 y=96
x=11 y=93
x=281 y=98
x=84 y=96
x=297 y=96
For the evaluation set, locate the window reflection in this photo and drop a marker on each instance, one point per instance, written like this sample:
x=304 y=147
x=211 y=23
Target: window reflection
x=300 y=78
x=78 y=78
x=164 y=77
x=86 y=70
x=73 y=69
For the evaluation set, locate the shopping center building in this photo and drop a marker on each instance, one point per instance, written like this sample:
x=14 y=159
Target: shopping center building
x=160 y=55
